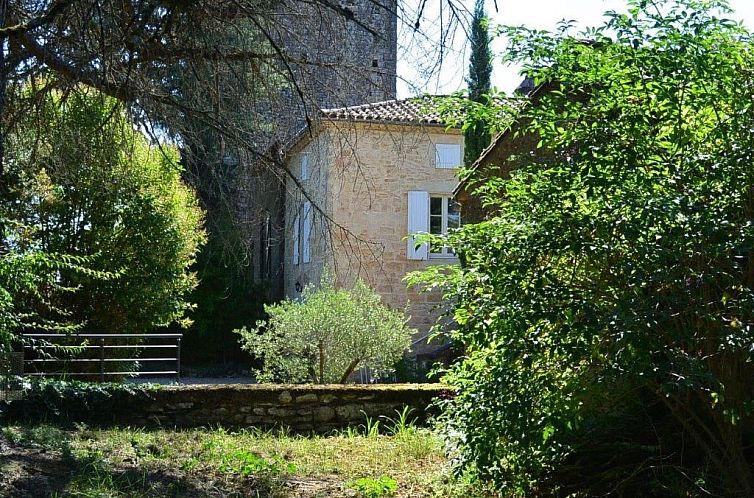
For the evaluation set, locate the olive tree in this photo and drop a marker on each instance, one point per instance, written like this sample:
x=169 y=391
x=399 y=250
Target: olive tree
x=619 y=262
x=326 y=335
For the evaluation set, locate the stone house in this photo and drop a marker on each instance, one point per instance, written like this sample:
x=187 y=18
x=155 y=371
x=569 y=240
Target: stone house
x=364 y=178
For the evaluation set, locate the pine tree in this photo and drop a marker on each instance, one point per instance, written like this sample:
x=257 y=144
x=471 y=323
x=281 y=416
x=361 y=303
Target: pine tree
x=477 y=137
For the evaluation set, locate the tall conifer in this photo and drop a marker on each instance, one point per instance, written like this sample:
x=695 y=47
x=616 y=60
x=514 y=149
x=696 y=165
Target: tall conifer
x=477 y=137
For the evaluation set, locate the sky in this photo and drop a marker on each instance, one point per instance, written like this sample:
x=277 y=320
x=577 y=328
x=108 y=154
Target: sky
x=539 y=14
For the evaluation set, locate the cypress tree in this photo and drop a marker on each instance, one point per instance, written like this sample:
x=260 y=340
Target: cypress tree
x=477 y=137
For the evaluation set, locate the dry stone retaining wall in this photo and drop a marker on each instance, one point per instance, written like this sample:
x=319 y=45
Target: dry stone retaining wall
x=302 y=408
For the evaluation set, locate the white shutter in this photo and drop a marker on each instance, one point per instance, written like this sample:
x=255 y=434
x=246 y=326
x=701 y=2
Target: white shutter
x=304 y=167
x=447 y=156
x=296 y=239
x=308 y=223
x=418 y=222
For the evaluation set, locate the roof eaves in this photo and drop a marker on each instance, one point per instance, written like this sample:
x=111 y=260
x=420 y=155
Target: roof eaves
x=389 y=122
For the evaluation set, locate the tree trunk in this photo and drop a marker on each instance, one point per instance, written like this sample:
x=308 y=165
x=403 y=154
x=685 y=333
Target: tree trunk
x=349 y=370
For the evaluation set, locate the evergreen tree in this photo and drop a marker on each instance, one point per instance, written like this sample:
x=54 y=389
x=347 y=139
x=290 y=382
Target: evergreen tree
x=477 y=137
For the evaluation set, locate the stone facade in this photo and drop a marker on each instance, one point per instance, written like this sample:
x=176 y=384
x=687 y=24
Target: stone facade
x=359 y=176
x=341 y=58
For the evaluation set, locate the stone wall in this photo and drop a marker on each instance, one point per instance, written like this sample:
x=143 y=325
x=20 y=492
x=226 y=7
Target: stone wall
x=301 y=408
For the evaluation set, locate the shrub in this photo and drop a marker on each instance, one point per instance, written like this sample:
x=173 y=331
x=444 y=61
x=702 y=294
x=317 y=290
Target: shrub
x=327 y=335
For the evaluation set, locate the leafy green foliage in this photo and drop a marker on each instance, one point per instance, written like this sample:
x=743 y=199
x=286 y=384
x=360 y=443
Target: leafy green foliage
x=477 y=136
x=327 y=335
x=92 y=186
x=30 y=289
x=370 y=487
x=66 y=402
x=226 y=298
x=245 y=463
x=619 y=259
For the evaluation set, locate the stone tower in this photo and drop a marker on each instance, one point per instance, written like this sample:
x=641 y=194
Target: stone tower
x=341 y=54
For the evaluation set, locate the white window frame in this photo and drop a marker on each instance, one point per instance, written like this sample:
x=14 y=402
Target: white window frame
x=307 y=232
x=445 y=251
x=442 y=151
x=296 y=238
x=304 y=166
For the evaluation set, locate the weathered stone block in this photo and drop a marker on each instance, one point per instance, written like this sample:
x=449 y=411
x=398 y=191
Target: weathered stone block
x=279 y=412
x=307 y=398
x=324 y=414
x=350 y=412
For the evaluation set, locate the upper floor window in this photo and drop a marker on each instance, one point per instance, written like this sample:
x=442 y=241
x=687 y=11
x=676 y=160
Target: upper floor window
x=303 y=227
x=447 y=156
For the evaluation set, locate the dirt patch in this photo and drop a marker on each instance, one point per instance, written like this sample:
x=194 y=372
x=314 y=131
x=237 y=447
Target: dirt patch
x=31 y=473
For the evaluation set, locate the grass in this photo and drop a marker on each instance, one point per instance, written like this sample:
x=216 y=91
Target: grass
x=380 y=458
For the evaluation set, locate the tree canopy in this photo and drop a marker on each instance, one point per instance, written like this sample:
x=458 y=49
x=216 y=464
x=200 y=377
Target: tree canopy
x=614 y=278
x=91 y=186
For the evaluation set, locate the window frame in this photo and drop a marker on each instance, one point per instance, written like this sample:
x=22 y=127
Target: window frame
x=304 y=167
x=306 y=232
x=445 y=251
x=296 y=238
x=446 y=146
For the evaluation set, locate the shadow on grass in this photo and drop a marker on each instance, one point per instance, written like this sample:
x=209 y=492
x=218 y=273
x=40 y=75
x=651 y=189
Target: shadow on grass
x=41 y=473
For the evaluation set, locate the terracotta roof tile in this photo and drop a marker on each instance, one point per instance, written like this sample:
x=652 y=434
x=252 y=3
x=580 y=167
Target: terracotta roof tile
x=417 y=110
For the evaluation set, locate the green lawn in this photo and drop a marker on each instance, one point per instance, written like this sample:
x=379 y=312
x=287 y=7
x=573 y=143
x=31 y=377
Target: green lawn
x=48 y=461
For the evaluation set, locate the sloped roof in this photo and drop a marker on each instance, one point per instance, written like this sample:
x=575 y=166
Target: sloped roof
x=531 y=93
x=416 y=110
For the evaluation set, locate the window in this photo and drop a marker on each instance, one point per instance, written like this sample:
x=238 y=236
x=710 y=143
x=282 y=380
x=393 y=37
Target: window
x=447 y=156
x=304 y=167
x=308 y=223
x=265 y=245
x=435 y=214
x=296 y=238
x=444 y=215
